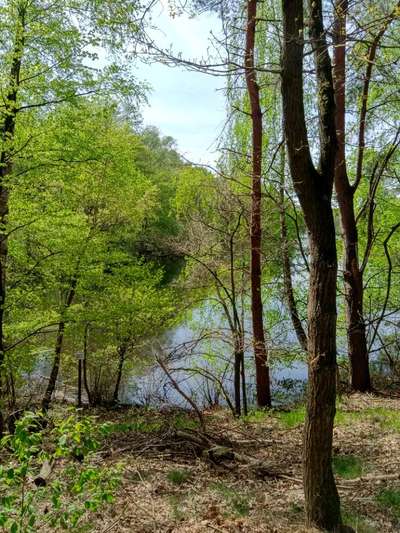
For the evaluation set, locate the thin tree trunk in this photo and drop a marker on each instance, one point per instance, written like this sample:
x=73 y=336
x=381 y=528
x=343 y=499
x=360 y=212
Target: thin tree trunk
x=122 y=349
x=51 y=385
x=7 y=134
x=237 y=375
x=286 y=266
x=314 y=189
x=85 y=353
x=243 y=376
x=260 y=349
x=353 y=278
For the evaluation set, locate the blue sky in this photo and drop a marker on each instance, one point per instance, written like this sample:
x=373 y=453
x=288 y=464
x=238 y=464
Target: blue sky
x=184 y=104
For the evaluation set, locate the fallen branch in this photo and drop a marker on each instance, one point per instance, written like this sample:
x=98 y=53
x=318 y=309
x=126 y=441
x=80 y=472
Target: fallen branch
x=44 y=474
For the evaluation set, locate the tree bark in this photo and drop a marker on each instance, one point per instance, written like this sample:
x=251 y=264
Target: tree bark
x=286 y=266
x=122 y=349
x=353 y=277
x=314 y=190
x=7 y=135
x=260 y=348
x=237 y=379
x=85 y=353
x=51 y=385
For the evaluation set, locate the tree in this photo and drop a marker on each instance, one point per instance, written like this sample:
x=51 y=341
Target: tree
x=260 y=348
x=314 y=189
x=346 y=192
x=45 y=60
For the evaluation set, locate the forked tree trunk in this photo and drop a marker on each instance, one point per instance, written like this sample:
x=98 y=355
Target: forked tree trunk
x=260 y=349
x=314 y=190
x=353 y=277
x=7 y=134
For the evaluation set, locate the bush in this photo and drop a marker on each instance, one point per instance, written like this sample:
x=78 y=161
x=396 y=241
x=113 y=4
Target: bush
x=80 y=486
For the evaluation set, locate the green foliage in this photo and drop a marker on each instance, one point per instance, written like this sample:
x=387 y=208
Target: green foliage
x=176 y=502
x=256 y=415
x=141 y=425
x=347 y=466
x=390 y=499
x=359 y=523
x=182 y=421
x=78 y=488
x=384 y=417
x=238 y=502
x=178 y=477
x=292 y=418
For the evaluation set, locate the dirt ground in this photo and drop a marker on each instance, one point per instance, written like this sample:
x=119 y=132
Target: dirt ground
x=169 y=486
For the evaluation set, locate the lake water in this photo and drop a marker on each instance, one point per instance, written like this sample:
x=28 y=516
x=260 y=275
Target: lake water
x=201 y=345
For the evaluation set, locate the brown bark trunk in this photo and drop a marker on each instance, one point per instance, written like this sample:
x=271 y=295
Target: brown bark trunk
x=353 y=278
x=260 y=349
x=85 y=353
x=314 y=189
x=122 y=349
x=286 y=266
x=237 y=379
x=7 y=133
x=243 y=376
x=51 y=385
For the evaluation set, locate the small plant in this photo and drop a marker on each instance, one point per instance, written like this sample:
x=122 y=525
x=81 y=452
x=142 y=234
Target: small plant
x=141 y=425
x=358 y=523
x=182 y=421
x=78 y=488
x=178 y=477
x=347 y=466
x=238 y=502
x=390 y=499
x=256 y=415
x=176 y=501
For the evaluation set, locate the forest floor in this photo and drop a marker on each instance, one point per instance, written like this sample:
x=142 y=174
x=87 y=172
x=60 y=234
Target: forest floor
x=169 y=485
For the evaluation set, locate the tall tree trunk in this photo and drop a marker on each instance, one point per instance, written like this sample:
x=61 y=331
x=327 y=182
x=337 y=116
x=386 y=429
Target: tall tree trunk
x=7 y=135
x=260 y=349
x=353 y=278
x=51 y=385
x=314 y=189
x=286 y=266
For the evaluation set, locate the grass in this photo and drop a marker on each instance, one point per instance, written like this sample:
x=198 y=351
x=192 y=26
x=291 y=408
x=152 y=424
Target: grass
x=176 y=502
x=347 y=466
x=238 y=502
x=140 y=424
x=256 y=415
x=293 y=418
x=357 y=522
x=386 y=418
x=182 y=421
x=178 y=477
x=390 y=499
x=288 y=419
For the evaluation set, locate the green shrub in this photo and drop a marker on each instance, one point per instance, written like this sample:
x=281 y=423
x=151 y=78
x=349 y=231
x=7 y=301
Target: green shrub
x=347 y=466
x=79 y=487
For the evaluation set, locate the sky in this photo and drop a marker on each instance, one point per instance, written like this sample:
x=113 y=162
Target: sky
x=188 y=106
